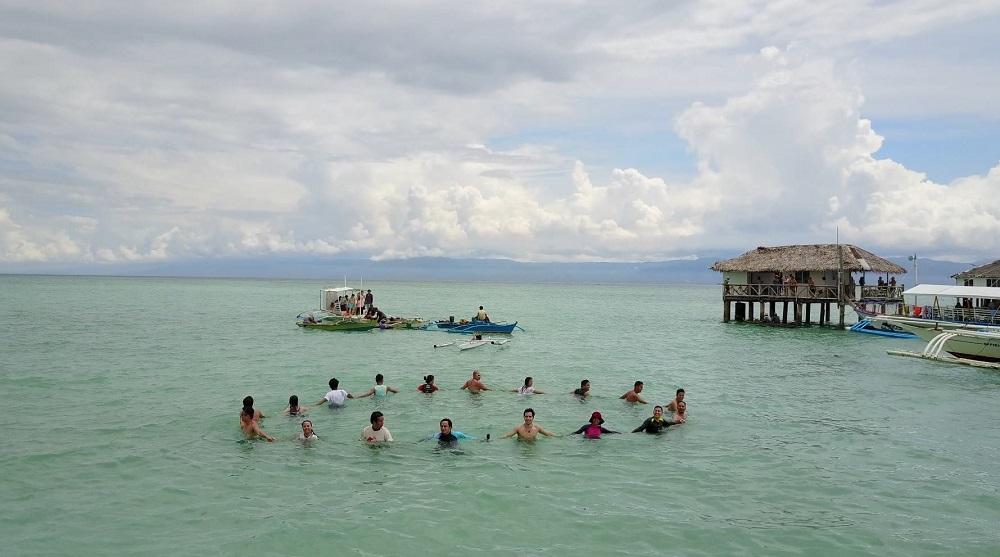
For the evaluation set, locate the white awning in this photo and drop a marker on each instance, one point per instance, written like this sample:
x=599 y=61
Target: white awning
x=989 y=292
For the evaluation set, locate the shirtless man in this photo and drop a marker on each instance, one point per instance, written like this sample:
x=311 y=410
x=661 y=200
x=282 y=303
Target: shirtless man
x=529 y=430
x=672 y=407
x=633 y=395
x=249 y=418
x=475 y=385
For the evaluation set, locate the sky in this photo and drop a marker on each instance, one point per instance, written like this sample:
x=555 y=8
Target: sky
x=561 y=131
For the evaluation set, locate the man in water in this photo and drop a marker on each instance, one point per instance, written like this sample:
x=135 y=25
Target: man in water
x=475 y=384
x=376 y=432
x=379 y=390
x=584 y=390
x=447 y=434
x=481 y=315
x=336 y=397
x=672 y=407
x=633 y=395
x=249 y=420
x=656 y=424
x=529 y=430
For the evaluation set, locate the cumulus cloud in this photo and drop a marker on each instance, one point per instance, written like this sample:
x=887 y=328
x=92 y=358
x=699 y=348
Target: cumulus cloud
x=397 y=130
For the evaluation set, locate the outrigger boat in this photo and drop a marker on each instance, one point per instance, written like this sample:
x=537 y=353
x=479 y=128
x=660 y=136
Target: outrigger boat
x=963 y=307
x=333 y=316
x=979 y=347
x=467 y=327
x=474 y=342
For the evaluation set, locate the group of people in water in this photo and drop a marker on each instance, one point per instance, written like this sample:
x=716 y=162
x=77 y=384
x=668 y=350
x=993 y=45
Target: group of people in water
x=376 y=432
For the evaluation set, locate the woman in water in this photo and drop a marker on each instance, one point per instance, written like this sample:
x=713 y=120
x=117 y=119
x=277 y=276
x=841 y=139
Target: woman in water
x=594 y=429
x=307 y=432
x=528 y=388
x=293 y=408
x=428 y=386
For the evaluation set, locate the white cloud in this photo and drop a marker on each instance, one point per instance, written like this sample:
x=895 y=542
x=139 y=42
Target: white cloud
x=403 y=130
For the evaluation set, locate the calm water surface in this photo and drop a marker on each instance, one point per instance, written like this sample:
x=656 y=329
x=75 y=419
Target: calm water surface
x=119 y=400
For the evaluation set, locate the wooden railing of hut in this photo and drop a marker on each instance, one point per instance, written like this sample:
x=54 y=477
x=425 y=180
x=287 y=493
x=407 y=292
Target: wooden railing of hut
x=800 y=298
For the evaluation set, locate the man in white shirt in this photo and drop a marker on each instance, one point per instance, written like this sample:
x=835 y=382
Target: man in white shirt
x=336 y=397
x=376 y=432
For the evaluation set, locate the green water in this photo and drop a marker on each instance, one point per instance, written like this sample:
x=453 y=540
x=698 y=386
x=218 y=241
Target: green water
x=119 y=400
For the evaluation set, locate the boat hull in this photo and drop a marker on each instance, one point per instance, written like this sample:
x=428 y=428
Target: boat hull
x=982 y=345
x=482 y=327
x=339 y=326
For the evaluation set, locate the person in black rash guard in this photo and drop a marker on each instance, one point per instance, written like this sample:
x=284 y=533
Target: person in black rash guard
x=656 y=424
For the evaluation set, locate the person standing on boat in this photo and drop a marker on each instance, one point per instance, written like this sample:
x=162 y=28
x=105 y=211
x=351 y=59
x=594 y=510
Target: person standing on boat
x=376 y=432
x=584 y=390
x=529 y=430
x=336 y=397
x=528 y=388
x=369 y=300
x=481 y=315
x=379 y=390
x=475 y=384
x=633 y=395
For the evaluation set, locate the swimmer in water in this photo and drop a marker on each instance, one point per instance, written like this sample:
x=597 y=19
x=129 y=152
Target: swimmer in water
x=447 y=434
x=584 y=390
x=376 y=432
x=307 y=432
x=529 y=430
x=528 y=388
x=475 y=384
x=249 y=418
x=379 y=390
x=672 y=407
x=633 y=395
x=681 y=416
x=428 y=386
x=656 y=424
x=595 y=428
x=293 y=408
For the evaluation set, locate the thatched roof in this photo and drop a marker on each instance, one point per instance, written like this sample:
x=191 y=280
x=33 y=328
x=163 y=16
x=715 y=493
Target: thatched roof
x=817 y=257
x=989 y=270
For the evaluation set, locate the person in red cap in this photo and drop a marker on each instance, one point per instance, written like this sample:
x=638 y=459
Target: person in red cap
x=595 y=428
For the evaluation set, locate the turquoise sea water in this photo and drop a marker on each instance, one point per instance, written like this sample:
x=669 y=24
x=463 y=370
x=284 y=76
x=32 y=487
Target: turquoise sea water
x=119 y=400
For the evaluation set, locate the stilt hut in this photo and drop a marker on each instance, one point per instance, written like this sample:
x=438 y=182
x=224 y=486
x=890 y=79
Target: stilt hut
x=798 y=277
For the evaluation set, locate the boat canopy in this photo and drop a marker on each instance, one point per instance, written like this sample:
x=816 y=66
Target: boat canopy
x=988 y=292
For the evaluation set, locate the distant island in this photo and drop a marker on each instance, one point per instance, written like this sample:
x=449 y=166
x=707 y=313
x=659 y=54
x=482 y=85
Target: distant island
x=680 y=271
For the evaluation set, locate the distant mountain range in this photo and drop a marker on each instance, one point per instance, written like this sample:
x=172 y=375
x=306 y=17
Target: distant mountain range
x=687 y=271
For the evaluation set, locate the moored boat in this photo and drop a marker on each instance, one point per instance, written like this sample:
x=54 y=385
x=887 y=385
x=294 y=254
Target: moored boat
x=942 y=306
x=981 y=344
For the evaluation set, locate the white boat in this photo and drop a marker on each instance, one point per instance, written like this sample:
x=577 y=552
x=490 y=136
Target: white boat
x=944 y=307
x=981 y=344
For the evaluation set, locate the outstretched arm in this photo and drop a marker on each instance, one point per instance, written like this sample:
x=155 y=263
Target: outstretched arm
x=369 y=393
x=638 y=399
x=546 y=432
x=391 y=390
x=323 y=401
x=510 y=433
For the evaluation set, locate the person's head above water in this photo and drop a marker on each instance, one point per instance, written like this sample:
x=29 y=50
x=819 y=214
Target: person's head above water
x=446 y=426
x=379 y=379
x=377 y=419
x=334 y=383
x=596 y=417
